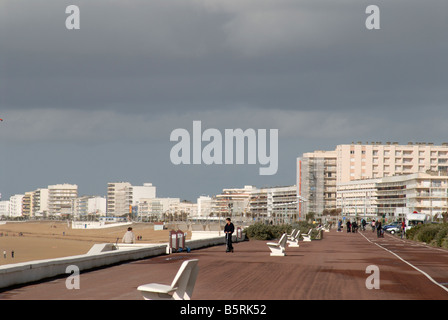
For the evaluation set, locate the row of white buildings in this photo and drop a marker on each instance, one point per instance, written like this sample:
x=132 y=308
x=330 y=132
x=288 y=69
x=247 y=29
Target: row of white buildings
x=375 y=179
x=141 y=202
x=354 y=179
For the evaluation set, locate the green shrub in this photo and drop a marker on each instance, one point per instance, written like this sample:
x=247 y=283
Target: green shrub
x=434 y=234
x=442 y=235
x=261 y=231
x=411 y=234
x=428 y=233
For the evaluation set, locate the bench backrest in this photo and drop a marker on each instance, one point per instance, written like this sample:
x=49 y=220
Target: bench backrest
x=185 y=279
x=283 y=239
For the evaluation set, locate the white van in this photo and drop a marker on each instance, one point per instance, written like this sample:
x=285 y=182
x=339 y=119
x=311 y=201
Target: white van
x=413 y=219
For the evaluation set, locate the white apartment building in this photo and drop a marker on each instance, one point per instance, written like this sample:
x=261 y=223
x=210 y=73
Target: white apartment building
x=4 y=208
x=358 y=197
x=119 y=199
x=96 y=205
x=155 y=209
x=122 y=196
x=425 y=193
x=40 y=202
x=89 y=205
x=147 y=191
x=232 y=202
x=276 y=204
x=15 y=205
x=394 y=196
x=61 y=198
x=204 y=205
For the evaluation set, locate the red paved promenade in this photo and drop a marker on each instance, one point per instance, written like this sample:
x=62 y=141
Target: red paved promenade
x=328 y=269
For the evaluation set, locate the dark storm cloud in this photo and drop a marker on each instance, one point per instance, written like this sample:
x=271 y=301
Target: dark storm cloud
x=137 y=69
x=153 y=56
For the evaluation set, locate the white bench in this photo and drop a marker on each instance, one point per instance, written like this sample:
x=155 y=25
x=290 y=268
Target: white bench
x=293 y=233
x=180 y=289
x=307 y=237
x=278 y=248
x=294 y=241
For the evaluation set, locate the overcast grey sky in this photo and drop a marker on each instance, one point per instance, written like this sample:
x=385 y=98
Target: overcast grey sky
x=98 y=104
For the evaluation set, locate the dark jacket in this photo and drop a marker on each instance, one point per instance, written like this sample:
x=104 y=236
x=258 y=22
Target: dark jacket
x=229 y=228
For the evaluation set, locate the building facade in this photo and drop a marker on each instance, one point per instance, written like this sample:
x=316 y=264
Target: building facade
x=61 y=198
x=320 y=172
x=393 y=197
x=316 y=182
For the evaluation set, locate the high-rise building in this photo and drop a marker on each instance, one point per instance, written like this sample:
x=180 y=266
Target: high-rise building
x=119 y=199
x=15 y=205
x=316 y=182
x=40 y=202
x=122 y=196
x=61 y=198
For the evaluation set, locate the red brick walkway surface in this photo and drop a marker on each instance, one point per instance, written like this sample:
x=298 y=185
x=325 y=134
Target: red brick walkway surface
x=328 y=269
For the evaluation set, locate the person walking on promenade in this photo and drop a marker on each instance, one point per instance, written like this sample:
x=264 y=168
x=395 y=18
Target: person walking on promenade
x=403 y=229
x=349 y=226
x=354 y=227
x=363 y=223
x=373 y=224
x=228 y=230
x=379 y=229
x=339 y=225
x=129 y=236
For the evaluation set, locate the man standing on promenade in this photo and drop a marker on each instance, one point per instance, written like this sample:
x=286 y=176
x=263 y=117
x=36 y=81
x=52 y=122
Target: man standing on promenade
x=129 y=236
x=228 y=230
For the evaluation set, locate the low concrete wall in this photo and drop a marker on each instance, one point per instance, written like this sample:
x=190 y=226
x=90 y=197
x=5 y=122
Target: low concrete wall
x=197 y=235
x=100 y=255
x=21 y=273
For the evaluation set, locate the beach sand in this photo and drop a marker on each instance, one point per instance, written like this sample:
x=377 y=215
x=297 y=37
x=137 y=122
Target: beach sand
x=47 y=240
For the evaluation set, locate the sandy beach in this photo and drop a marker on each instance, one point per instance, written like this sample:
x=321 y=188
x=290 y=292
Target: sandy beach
x=46 y=240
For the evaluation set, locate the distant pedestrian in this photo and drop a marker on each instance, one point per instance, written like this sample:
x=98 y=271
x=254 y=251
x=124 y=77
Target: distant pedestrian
x=403 y=229
x=12 y=254
x=339 y=225
x=349 y=225
x=354 y=227
x=379 y=229
x=228 y=230
x=129 y=236
x=4 y=254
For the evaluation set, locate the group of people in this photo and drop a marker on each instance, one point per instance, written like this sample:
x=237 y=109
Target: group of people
x=4 y=254
x=352 y=226
x=378 y=226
